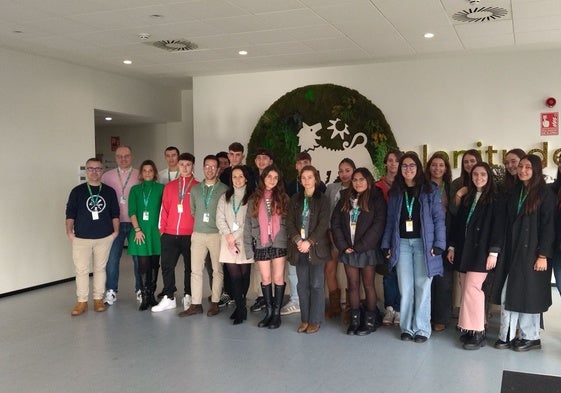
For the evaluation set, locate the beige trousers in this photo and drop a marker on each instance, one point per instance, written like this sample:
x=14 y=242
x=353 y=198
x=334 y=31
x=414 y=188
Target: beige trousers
x=201 y=243
x=94 y=252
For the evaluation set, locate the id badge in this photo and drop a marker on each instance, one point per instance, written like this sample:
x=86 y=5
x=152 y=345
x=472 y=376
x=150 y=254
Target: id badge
x=123 y=200
x=235 y=226
x=206 y=217
x=180 y=208
x=353 y=227
x=302 y=233
x=145 y=216
x=95 y=216
x=409 y=226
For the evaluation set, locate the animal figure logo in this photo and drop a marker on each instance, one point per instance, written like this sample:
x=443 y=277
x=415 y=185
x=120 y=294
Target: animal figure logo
x=327 y=160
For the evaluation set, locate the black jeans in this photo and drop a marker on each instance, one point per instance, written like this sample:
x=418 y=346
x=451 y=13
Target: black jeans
x=172 y=247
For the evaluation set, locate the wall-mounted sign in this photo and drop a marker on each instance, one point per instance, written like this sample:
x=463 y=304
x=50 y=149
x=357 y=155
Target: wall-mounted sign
x=115 y=142
x=549 y=123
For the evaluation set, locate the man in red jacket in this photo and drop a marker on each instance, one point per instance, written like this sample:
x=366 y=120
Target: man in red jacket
x=176 y=228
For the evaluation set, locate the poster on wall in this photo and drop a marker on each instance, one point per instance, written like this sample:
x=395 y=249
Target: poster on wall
x=115 y=142
x=549 y=123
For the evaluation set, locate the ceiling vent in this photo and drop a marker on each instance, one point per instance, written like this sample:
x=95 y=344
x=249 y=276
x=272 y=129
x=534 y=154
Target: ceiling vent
x=180 y=45
x=480 y=14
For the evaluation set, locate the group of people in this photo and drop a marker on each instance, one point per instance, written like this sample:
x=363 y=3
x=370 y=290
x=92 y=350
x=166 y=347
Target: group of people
x=414 y=225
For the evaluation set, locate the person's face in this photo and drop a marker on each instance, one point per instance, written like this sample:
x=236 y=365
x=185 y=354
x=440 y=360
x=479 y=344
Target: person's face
x=308 y=180
x=171 y=158
x=271 y=180
x=94 y=170
x=238 y=179
x=210 y=169
x=479 y=177
x=223 y=163
x=301 y=164
x=468 y=162
x=185 y=168
x=408 y=169
x=392 y=165
x=235 y=157
x=147 y=172
x=262 y=161
x=437 y=168
x=525 y=171
x=123 y=155
x=359 y=182
x=345 y=173
x=511 y=163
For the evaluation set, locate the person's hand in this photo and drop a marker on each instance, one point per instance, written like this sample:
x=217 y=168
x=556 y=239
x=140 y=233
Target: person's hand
x=541 y=264
x=450 y=256
x=303 y=246
x=491 y=262
x=139 y=237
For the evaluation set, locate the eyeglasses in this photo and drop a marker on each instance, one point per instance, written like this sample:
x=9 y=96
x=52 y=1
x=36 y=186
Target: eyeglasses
x=94 y=169
x=120 y=157
x=210 y=166
x=410 y=166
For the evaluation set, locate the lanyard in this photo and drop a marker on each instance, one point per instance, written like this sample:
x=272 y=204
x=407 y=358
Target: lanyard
x=235 y=208
x=355 y=212
x=521 y=199
x=146 y=198
x=471 y=209
x=182 y=191
x=305 y=212
x=121 y=180
x=408 y=205
x=441 y=189
x=169 y=175
x=206 y=198
x=95 y=198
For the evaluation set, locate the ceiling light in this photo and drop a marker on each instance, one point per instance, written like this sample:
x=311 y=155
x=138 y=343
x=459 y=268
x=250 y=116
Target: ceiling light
x=127 y=62
x=156 y=16
x=17 y=31
x=108 y=118
x=242 y=52
x=429 y=35
x=143 y=36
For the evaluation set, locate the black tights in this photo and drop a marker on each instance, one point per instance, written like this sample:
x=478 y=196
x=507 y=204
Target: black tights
x=240 y=275
x=146 y=263
x=353 y=278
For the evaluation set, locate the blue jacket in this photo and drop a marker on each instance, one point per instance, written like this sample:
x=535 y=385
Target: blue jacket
x=433 y=229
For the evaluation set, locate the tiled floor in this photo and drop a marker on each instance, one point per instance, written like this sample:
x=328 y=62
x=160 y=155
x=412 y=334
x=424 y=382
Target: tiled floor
x=44 y=349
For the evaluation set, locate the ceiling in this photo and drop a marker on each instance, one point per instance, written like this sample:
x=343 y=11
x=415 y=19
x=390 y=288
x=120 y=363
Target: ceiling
x=277 y=34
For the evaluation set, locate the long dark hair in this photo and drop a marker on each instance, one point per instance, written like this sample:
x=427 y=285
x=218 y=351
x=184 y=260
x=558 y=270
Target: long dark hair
x=447 y=177
x=363 y=198
x=489 y=190
x=231 y=190
x=465 y=177
x=511 y=180
x=279 y=199
x=535 y=183
x=421 y=183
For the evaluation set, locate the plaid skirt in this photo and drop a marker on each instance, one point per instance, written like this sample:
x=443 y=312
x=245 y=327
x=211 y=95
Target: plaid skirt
x=269 y=253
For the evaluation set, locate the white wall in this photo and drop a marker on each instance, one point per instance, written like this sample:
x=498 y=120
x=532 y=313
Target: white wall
x=47 y=112
x=448 y=103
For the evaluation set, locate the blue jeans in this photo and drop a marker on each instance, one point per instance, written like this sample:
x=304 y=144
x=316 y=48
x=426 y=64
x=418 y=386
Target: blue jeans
x=415 y=288
x=392 y=296
x=556 y=263
x=293 y=284
x=112 y=267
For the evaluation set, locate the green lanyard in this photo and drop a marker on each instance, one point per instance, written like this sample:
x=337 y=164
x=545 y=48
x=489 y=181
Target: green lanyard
x=146 y=198
x=123 y=186
x=521 y=199
x=95 y=198
x=206 y=198
x=471 y=209
x=169 y=175
x=235 y=208
x=408 y=205
x=355 y=212
x=305 y=212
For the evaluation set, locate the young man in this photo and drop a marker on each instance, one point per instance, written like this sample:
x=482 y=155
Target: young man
x=223 y=162
x=92 y=223
x=235 y=156
x=176 y=227
x=121 y=179
x=171 y=155
x=205 y=239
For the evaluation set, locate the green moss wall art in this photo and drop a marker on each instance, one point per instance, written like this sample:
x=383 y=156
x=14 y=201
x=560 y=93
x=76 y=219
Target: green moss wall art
x=328 y=121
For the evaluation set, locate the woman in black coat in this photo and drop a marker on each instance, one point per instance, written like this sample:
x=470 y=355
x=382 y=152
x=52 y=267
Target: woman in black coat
x=357 y=225
x=476 y=240
x=524 y=275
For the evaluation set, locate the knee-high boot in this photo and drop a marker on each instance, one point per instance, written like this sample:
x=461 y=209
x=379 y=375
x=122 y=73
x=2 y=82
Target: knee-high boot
x=268 y=298
x=277 y=303
x=240 y=313
x=152 y=285
x=144 y=284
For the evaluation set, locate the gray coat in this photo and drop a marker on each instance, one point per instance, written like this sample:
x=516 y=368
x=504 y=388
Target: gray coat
x=252 y=236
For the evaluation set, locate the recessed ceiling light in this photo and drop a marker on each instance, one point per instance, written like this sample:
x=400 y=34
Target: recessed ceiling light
x=127 y=62
x=17 y=31
x=242 y=52
x=156 y=16
x=108 y=118
x=428 y=35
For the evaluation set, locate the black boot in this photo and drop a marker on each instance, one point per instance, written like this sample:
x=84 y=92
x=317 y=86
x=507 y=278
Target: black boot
x=152 y=288
x=475 y=341
x=277 y=304
x=240 y=313
x=268 y=299
x=144 y=291
x=355 y=320
x=367 y=326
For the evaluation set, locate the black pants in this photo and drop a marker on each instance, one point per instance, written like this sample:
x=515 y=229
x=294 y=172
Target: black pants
x=172 y=247
x=441 y=295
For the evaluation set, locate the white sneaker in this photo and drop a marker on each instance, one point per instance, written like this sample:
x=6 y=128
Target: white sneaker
x=139 y=296
x=110 y=297
x=396 y=319
x=187 y=300
x=389 y=316
x=165 y=304
x=290 y=308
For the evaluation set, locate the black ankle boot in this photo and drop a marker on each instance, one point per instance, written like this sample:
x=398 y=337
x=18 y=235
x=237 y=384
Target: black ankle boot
x=268 y=299
x=277 y=304
x=475 y=341
x=355 y=321
x=144 y=292
x=241 y=315
x=367 y=325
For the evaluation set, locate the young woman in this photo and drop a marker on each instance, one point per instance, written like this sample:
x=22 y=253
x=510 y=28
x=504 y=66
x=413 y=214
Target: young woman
x=524 y=274
x=265 y=227
x=145 y=200
x=230 y=220
x=512 y=158
x=308 y=249
x=439 y=172
x=476 y=240
x=414 y=239
x=357 y=225
x=459 y=186
x=334 y=192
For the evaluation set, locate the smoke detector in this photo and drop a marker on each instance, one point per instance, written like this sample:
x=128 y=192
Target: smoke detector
x=179 y=45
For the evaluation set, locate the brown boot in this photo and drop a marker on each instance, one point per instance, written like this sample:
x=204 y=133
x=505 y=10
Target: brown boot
x=192 y=310
x=213 y=310
x=98 y=305
x=334 y=304
x=79 y=308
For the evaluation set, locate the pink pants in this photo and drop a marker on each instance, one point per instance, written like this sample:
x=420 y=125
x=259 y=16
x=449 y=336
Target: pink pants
x=472 y=304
